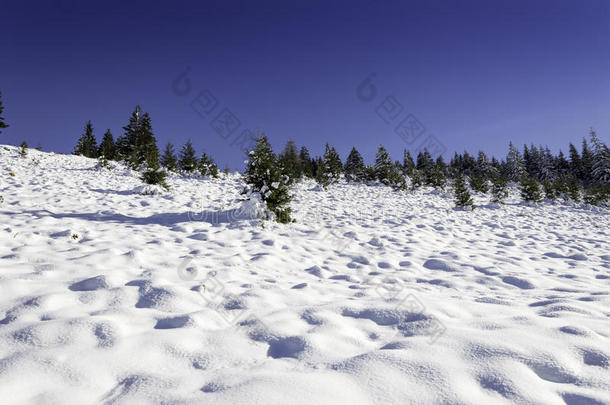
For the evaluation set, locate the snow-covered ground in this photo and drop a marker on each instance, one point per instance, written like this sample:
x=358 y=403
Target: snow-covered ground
x=372 y=297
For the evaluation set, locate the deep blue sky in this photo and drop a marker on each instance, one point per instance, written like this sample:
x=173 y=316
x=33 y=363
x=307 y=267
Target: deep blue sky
x=476 y=74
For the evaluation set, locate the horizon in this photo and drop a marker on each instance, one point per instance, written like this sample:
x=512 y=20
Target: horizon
x=473 y=76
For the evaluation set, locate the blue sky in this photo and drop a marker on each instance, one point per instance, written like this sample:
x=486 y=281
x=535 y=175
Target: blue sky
x=473 y=74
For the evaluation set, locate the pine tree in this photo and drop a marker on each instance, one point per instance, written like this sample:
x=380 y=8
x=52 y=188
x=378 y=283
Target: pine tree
x=168 y=159
x=574 y=190
x=462 y=196
x=438 y=178
x=576 y=168
x=264 y=176
x=127 y=143
x=290 y=161
x=206 y=166
x=530 y=189
x=514 y=167
x=601 y=161
x=425 y=164
x=188 y=159
x=87 y=144
x=3 y=124
x=383 y=165
x=483 y=167
x=408 y=165
x=145 y=147
x=354 y=166
x=587 y=159
x=331 y=170
x=417 y=179
x=479 y=183
x=499 y=190
x=23 y=151
x=107 y=147
x=307 y=163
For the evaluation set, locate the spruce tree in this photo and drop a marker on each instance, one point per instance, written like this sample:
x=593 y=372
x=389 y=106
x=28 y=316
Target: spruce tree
x=307 y=163
x=587 y=159
x=127 y=143
x=354 y=166
x=514 y=167
x=188 y=159
x=462 y=196
x=425 y=164
x=3 y=124
x=290 y=161
x=479 y=183
x=499 y=190
x=107 y=147
x=530 y=189
x=573 y=189
x=264 y=176
x=87 y=144
x=383 y=165
x=206 y=166
x=601 y=161
x=168 y=159
x=330 y=172
x=408 y=165
x=438 y=177
x=145 y=147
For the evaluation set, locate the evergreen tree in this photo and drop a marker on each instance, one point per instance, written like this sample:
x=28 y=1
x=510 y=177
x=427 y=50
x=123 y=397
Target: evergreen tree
x=23 y=151
x=530 y=189
x=331 y=171
x=126 y=144
x=408 y=165
x=499 y=190
x=3 y=124
x=417 y=179
x=587 y=159
x=479 y=183
x=601 y=161
x=561 y=166
x=87 y=145
x=188 y=159
x=145 y=149
x=576 y=168
x=290 y=161
x=574 y=190
x=169 y=159
x=206 y=166
x=438 y=178
x=307 y=163
x=514 y=167
x=462 y=196
x=425 y=164
x=107 y=147
x=383 y=165
x=264 y=176
x=354 y=167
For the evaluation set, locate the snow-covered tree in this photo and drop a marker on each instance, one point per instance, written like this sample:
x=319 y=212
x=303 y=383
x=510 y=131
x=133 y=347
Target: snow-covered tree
x=188 y=159
x=601 y=161
x=587 y=159
x=530 y=189
x=499 y=190
x=408 y=165
x=265 y=178
x=206 y=166
x=354 y=166
x=383 y=165
x=514 y=167
x=3 y=124
x=168 y=158
x=87 y=145
x=330 y=172
x=462 y=196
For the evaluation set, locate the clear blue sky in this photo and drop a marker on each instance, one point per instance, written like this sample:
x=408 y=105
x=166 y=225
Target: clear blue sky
x=475 y=74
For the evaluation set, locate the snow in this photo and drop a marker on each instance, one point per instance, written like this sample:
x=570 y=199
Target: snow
x=372 y=297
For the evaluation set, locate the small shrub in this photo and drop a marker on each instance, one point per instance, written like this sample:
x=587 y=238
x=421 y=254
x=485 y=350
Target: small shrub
x=23 y=152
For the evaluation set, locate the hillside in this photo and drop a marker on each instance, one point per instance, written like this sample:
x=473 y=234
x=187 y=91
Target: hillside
x=372 y=297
